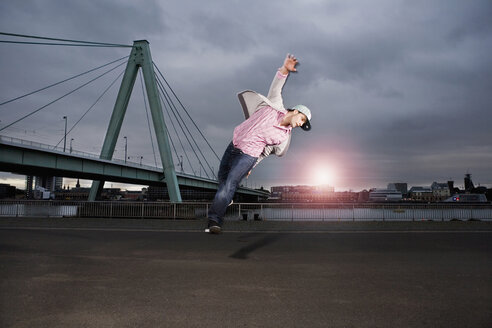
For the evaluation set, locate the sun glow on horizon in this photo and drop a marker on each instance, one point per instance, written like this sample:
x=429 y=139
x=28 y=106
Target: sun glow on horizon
x=323 y=175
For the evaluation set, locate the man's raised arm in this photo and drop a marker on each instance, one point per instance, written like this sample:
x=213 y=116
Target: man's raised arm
x=275 y=92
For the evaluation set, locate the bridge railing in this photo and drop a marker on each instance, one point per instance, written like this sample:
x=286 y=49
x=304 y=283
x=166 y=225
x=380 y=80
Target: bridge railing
x=249 y=211
x=46 y=147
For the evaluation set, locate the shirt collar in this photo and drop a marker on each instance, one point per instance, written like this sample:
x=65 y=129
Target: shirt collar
x=280 y=117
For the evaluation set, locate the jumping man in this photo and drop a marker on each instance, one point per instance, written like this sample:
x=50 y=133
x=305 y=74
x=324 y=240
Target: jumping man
x=266 y=130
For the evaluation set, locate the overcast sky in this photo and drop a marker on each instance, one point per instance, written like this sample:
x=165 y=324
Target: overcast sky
x=400 y=91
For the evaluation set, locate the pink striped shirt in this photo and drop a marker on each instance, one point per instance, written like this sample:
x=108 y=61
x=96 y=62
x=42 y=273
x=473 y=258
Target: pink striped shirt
x=259 y=130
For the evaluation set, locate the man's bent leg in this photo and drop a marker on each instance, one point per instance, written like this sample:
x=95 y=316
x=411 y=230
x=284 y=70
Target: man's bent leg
x=225 y=163
x=241 y=164
x=224 y=168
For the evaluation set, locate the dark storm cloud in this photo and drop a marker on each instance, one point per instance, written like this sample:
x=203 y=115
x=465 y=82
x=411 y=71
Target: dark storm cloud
x=97 y=20
x=399 y=90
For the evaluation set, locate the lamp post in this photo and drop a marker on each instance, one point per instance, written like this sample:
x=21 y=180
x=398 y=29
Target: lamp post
x=65 y=137
x=126 y=147
x=71 y=145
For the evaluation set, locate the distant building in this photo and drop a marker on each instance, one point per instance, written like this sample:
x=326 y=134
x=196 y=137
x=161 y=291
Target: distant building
x=155 y=193
x=29 y=186
x=133 y=195
x=399 y=186
x=421 y=194
x=111 y=194
x=440 y=191
x=41 y=193
x=73 y=194
x=50 y=183
x=452 y=189
x=83 y=194
x=385 y=195
x=363 y=196
x=7 y=191
x=468 y=183
x=58 y=183
x=160 y=193
x=313 y=194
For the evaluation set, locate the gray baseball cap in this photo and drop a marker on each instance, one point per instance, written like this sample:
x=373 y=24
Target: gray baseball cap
x=306 y=111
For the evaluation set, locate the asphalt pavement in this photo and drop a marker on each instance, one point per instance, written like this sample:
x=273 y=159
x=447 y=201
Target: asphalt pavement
x=107 y=273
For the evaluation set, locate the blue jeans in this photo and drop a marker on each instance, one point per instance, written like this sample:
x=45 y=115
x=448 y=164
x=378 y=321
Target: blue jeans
x=234 y=166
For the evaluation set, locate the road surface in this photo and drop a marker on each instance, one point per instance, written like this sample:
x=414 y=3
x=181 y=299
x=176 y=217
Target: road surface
x=134 y=275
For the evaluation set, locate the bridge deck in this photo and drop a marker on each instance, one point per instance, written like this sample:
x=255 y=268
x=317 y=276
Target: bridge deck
x=26 y=157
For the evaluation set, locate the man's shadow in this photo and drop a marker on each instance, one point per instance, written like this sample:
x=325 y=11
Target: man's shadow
x=242 y=253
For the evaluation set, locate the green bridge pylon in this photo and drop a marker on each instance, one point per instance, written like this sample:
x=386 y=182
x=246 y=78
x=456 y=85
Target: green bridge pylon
x=140 y=58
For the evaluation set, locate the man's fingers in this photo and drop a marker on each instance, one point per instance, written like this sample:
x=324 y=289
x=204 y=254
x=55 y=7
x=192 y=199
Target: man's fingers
x=291 y=56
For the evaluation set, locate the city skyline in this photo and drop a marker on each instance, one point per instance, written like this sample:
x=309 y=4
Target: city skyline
x=399 y=91
x=70 y=183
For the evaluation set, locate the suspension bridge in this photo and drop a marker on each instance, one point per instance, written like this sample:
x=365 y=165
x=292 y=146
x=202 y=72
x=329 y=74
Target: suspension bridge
x=177 y=136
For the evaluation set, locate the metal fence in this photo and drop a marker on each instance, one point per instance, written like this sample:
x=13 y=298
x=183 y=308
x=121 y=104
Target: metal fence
x=249 y=211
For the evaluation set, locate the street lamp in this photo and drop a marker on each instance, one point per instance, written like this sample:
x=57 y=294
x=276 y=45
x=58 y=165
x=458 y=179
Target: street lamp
x=65 y=137
x=71 y=145
x=126 y=147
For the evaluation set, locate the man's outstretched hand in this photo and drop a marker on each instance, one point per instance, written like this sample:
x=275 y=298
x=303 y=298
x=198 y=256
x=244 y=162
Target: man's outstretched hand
x=290 y=63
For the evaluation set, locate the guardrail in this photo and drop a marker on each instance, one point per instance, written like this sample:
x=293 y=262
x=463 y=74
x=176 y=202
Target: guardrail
x=249 y=211
x=78 y=153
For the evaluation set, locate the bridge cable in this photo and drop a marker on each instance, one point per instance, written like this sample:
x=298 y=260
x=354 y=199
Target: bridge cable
x=179 y=139
x=172 y=143
x=147 y=115
x=57 y=83
x=87 y=111
x=80 y=87
x=176 y=132
x=61 y=44
x=185 y=110
x=179 y=123
x=66 y=40
x=165 y=100
x=191 y=135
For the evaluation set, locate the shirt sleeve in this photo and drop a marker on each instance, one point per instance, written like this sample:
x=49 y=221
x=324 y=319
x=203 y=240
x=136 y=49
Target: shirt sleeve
x=275 y=91
x=281 y=76
x=260 y=158
x=266 y=152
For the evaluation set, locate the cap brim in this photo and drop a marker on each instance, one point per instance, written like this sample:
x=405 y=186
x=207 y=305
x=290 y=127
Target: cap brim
x=306 y=126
